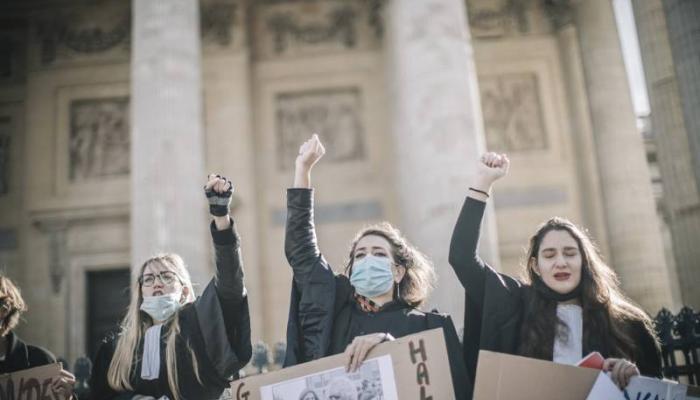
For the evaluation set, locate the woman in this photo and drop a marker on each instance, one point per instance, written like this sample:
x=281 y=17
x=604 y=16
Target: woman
x=568 y=304
x=175 y=346
x=15 y=355
x=385 y=281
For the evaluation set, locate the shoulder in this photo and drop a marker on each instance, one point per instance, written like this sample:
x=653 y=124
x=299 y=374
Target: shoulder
x=39 y=356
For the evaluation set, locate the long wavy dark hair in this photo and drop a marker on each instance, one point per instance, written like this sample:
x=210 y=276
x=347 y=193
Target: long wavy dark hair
x=608 y=315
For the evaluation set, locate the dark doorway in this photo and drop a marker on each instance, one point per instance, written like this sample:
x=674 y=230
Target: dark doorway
x=108 y=297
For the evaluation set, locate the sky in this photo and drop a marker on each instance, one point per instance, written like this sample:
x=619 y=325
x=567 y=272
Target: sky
x=630 y=52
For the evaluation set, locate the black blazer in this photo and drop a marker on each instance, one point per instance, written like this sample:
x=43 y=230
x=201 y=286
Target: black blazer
x=22 y=356
x=495 y=302
x=323 y=316
x=216 y=327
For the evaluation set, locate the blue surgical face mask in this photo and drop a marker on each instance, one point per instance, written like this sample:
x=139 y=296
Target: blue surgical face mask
x=160 y=308
x=372 y=276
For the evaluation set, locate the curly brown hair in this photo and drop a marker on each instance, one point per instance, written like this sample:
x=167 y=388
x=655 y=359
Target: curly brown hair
x=13 y=302
x=418 y=282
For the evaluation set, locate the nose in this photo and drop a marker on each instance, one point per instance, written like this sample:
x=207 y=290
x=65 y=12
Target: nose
x=560 y=261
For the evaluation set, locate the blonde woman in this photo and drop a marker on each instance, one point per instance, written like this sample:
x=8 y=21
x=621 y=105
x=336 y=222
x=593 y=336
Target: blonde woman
x=171 y=345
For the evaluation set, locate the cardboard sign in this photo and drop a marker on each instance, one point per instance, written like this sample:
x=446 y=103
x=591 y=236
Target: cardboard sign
x=507 y=377
x=30 y=384
x=412 y=367
x=643 y=388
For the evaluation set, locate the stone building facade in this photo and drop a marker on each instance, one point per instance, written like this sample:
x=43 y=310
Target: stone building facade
x=404 y=94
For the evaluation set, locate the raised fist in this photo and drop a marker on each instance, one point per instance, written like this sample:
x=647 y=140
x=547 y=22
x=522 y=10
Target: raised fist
x=492 y=166
x=309 y=153
x=218 y=191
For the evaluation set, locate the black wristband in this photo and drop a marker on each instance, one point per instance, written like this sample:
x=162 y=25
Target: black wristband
x=479 y=191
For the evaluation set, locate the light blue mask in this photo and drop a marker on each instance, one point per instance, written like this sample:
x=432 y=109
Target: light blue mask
x=372 y=276
x=160 y=308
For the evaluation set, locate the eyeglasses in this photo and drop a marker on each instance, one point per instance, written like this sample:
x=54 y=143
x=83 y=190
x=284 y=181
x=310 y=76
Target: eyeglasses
x=165 y=277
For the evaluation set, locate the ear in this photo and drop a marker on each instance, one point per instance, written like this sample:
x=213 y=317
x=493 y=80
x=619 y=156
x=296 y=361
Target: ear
x=185 y=294
x=533 y=265
x=399 y=273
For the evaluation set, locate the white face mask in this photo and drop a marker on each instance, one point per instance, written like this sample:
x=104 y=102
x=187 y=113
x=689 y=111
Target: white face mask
x=160 y=308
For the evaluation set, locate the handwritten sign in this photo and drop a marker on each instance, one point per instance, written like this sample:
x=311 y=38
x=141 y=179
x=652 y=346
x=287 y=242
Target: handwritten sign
x=30 y=384
x=413 y=367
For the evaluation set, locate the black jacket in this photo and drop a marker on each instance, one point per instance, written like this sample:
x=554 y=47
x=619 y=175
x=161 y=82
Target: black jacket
x=324 y=317
x=23 y=356
x=216 y=327
x=495 y=302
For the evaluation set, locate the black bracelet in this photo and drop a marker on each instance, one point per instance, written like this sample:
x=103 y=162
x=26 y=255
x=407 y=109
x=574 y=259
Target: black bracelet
x=479 y=191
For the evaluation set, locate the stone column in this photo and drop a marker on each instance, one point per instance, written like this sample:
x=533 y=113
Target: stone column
x=437 y=130
x=681 y=198
x=633 y=230
x=167 y=167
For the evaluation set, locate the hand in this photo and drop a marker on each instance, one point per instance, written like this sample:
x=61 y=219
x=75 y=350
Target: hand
x=491 y=167
x=63 y=385
x=309 y=153
x=219 y=191
x=357 y=351
x=621 y=371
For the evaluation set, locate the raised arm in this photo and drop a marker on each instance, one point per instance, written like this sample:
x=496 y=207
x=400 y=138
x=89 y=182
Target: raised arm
x=228 y=278
x=464 y=257
x=300 y=245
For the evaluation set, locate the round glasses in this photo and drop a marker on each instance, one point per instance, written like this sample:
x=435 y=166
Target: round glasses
x=167 y=278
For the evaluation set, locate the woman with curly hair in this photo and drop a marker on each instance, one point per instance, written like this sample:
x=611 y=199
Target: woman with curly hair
x=378 y=297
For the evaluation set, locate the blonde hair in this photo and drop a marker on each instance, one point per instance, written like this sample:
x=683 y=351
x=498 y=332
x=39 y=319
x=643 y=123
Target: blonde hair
x=135 y=324
x=15 y=305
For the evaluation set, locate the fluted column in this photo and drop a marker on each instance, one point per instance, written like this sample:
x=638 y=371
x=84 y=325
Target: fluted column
x=633 y=231
x=437 y=129
x=168 y=210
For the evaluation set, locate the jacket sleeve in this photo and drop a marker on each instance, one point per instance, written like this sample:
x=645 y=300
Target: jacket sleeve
x=99 y=387
x=311 y=312
x=473 y=273
x=300 y=244
x=222 y=310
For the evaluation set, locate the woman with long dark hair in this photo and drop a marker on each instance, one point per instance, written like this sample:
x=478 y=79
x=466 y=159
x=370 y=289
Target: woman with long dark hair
x=567 y=304
x=171 y=344
x=376 y=299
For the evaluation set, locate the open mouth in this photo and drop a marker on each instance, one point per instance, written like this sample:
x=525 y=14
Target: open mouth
x=158 y=293
x=562 y=276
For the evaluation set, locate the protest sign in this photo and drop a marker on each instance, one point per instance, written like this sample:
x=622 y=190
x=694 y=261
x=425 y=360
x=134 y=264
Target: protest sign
x=30 y=384
x=411 y=367
x=508 y=377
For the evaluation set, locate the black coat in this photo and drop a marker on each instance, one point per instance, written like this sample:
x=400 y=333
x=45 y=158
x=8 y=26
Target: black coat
x=216 y=327
x=23 y=356
x=494 y=306
x=324 y=317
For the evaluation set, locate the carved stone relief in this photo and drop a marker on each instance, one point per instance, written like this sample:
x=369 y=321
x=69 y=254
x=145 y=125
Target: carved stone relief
x=12 y=53
x=308 y=27
x=105 y=31
x=512 y=112
x=99 y=138
x=5 y=137
x=87 y=31
x=217 y=20
x=335 y=114
x=498 y=18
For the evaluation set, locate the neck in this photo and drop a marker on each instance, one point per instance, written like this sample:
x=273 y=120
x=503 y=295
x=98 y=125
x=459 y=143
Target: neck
x=576 y=301
x=384 y=298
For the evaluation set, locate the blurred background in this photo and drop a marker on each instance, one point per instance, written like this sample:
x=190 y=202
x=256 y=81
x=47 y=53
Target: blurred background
x=113 y=112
